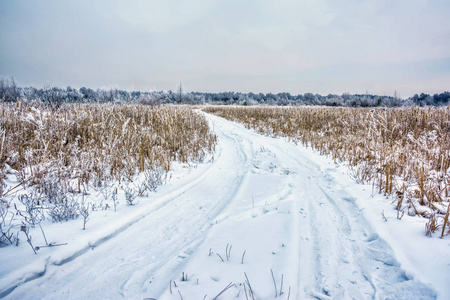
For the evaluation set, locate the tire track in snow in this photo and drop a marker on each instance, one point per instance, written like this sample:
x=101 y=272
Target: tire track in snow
x=185 y=224
x=330 y=252
x=138 y=216
x=77 y=252
x=350 y=261
x=338 y=255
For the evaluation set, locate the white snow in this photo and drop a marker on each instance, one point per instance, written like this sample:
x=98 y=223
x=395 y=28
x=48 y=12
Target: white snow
x=264 y=206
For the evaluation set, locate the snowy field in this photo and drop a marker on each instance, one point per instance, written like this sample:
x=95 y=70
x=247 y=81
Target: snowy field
x=262 y=219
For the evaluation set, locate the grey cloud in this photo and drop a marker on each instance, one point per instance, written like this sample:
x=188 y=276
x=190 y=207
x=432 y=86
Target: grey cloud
x=262 y=46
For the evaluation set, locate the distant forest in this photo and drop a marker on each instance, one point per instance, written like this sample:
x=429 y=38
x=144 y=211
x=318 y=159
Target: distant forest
x=55 y=96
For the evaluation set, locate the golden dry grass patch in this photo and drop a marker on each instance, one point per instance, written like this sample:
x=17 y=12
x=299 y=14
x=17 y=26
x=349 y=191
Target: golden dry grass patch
x=93 y=143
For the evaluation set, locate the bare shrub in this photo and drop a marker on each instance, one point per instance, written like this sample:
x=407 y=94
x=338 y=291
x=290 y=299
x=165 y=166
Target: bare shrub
x=130 y=194
x=85 y=212
x=154 y=177
x=34 y=212
x=64 y=210
x=363 y=172
x=432 y=225
x=26 y=230
x=114 y=199
x=106 y=190
x=7 y=236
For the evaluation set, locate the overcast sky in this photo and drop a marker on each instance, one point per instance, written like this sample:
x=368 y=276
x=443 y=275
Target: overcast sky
x=296 y=46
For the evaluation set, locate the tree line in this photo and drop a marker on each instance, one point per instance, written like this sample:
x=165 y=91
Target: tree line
x=55 y=96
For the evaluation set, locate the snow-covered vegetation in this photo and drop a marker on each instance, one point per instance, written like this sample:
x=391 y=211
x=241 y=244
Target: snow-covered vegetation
x=404 y=152
x=261 y=218
x=58 y=157
x=55 y=96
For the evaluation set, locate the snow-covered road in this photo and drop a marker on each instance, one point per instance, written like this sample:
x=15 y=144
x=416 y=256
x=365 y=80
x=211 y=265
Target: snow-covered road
x=263 y=217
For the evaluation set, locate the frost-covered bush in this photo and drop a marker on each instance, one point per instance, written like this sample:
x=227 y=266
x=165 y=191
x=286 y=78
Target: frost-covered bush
x=64 y=210
x=85 y=212
x=130 y=194
x=7 y=236
x=34 y=212
x=154 y=177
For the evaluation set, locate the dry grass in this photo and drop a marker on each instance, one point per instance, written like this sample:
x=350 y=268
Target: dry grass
x=404 y=151
x=80 y=145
